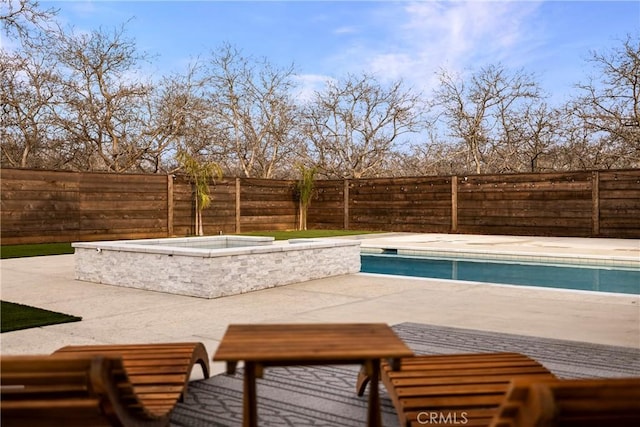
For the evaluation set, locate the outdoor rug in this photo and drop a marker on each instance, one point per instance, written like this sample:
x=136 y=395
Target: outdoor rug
x=325 y=395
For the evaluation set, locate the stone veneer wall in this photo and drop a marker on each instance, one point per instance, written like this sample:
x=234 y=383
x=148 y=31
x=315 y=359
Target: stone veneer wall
x=210 y=275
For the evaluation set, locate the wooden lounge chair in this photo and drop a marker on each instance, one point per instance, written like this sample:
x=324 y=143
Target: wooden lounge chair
x=585 y=403
x=69 y=391
x=454 y=389
x=159 y=373
x=120 y=385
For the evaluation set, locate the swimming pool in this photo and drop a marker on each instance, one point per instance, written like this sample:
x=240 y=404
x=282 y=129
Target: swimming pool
x=585 y=278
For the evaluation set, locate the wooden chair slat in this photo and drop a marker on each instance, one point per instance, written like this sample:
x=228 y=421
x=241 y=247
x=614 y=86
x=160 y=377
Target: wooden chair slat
x=567 y=403
x=462 y=387
x=92 y=385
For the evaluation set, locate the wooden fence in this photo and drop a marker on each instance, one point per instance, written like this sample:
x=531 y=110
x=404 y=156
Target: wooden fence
x=53 y=206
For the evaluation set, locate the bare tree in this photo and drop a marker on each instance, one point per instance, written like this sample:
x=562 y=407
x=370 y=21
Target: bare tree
x=473 y=111
x=579 y=149
x=354 y=124
x=251 y=102
x=29 y=90
x=433 y=158
x=528 y=140
x=24 y=18
x=180 y=120
x=609 y=105
x=106 y=106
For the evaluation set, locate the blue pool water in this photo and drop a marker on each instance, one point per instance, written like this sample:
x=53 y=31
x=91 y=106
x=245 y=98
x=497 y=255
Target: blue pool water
x=602 y=279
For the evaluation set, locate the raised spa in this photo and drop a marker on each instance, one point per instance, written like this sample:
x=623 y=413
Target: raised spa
x=213 y=266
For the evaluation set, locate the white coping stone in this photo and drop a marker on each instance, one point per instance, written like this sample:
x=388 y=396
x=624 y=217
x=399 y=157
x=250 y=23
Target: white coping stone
x=155 y=264
x=580 y=259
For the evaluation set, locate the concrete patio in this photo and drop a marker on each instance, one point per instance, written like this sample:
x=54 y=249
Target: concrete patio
x=122 y=315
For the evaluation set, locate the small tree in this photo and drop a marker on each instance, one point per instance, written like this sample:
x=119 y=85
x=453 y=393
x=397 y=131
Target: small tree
x=200 y=175
x=304 y=191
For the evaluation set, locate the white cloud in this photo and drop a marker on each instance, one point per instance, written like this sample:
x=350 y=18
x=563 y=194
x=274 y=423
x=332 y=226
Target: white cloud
x=418 y=38
x=392 y=66
x=308 y=84
x=345 y=30
x=84 y=8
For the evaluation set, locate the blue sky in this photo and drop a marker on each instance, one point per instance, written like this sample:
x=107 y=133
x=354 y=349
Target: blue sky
x=393 y=39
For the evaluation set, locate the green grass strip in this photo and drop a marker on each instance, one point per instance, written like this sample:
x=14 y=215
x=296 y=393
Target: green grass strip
x=17 y=316
x=19 y=251
x=307 y=234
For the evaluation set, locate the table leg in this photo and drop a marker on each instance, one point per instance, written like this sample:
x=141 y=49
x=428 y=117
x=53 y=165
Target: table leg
x=374 y=418
x=250 y=399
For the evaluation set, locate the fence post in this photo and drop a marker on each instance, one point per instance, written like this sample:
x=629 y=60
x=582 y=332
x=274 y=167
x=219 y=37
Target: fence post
x=237 y=205
x=346 y=204
x=454 y=204
x=169 y=205
x=595 y=204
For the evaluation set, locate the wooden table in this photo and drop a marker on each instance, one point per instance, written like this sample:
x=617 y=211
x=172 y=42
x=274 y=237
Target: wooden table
x=265 y=345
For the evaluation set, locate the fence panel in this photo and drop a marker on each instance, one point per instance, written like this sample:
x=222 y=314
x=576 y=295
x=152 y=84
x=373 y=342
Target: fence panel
x=401 y=204
x=183 y=208
x=267 y=204
x=220 y=216
x=39 y=206
x=116 y=206
x=557 y=204
x=619 y=204
x=326 y=211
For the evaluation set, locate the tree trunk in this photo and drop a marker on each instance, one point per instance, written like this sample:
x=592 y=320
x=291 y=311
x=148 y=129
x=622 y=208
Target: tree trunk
x=198 y=227
x=302 y=224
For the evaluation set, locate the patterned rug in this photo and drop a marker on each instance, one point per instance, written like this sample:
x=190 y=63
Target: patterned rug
x=325 y=396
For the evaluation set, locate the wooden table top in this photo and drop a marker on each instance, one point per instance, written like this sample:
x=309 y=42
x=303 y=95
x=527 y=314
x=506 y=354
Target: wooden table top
x=310 y=343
